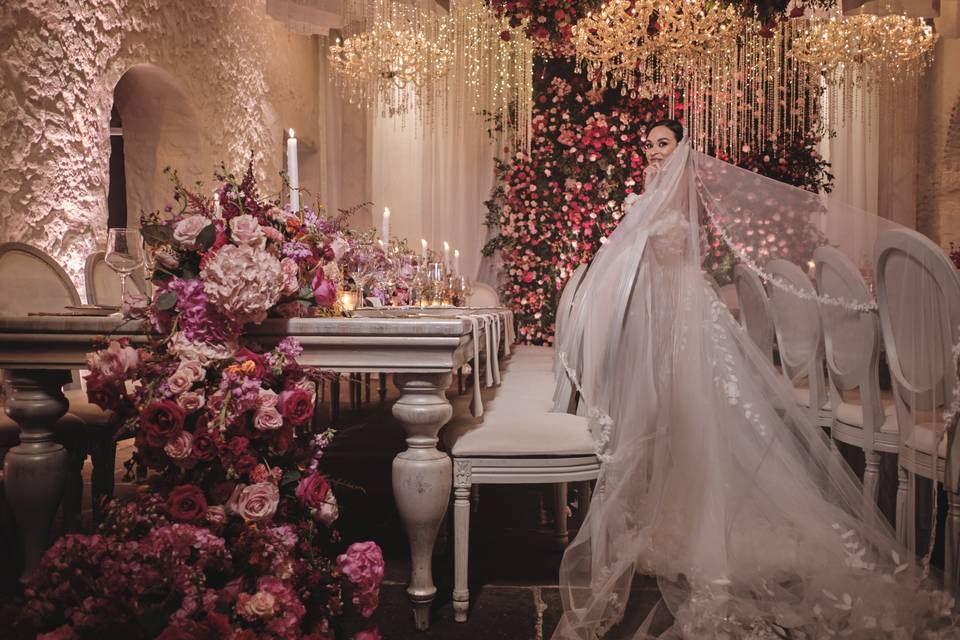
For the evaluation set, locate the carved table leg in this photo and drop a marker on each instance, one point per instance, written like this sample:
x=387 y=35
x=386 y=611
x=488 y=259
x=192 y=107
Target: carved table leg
x=35 y=469
x=422 y=476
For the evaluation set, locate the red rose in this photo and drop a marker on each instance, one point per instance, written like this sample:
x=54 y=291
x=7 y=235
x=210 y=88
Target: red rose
x=176 y=633
x=245 y=464
x=161 y=421
x=296 y=406
x=187 y=503
x=312 y=490
x=238 y=446
x=204 y=446
x=104 y=395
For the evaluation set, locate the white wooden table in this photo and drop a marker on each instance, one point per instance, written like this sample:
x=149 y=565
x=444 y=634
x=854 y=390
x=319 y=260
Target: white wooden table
x=38 y=352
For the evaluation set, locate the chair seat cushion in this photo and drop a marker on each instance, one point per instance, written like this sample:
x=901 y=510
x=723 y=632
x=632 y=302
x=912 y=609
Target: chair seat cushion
x=922 y=436
x=802 y=396
x=852 y=415
x=513 y=432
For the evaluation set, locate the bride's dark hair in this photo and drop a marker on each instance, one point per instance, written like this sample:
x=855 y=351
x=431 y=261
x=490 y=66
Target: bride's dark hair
x=673 y=125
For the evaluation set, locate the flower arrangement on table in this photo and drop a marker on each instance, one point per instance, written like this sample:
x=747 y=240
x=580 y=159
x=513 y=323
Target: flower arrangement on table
x=234 y=534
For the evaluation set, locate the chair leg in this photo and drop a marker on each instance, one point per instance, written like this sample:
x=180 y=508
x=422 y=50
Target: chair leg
x=902 y=528
x=560 y=514
x=103 y=457
x=366 y=388
x=73 y=488
x=585 y=491
x=383 y=387
x=952 y=530
x=475 y=498
x=354 y=386
x=461 y=552
x=335 y=399
x=871 y=477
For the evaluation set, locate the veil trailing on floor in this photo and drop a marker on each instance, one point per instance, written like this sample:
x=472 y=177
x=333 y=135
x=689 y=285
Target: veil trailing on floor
x=715 y=480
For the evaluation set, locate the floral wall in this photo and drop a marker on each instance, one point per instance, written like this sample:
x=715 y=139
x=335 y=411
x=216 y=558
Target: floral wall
x=553 y=207
x=246 y=78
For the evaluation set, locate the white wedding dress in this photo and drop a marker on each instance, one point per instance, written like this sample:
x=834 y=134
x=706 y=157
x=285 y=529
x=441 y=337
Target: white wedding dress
x=714 y=480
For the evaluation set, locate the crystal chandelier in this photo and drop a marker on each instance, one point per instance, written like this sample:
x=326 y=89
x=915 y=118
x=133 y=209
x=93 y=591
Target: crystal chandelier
x=740 y=84
x=645 y=45
x=411 y=62
x=398 y=63
x=864 y=49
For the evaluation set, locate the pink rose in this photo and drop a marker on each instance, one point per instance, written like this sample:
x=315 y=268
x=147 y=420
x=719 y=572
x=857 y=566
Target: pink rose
x=189 y=228
x=179 y=382
x=255 y=502
x=368 y=634
x=245 y=229
x=114 y=361
x=267 y=398
x=291 y=272
x=193 y=369
x=191 y=401
x=180 y=446
x=216 y=515
x=135 y=304
x=259 y=474
x=65 y=632
x=324 y=291
x=268 y=419
x=259 y=605
x=328 y=512
x=274 y=235
x=339 y=246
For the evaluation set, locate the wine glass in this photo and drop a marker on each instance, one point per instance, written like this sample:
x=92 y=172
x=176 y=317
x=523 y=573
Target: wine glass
x=124 y=254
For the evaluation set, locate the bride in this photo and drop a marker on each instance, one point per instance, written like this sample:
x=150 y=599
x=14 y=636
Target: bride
x=714 y=481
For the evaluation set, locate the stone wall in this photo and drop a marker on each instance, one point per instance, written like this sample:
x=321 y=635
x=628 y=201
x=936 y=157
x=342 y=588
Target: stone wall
x=219 y=79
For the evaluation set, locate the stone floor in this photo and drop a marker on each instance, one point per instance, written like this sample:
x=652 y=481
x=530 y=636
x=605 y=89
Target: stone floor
x=514 y=560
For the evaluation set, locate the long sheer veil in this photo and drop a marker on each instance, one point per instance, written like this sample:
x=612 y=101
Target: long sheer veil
x=715 y=480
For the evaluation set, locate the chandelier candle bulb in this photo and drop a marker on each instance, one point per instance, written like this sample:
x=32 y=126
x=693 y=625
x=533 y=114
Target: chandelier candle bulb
x=293 y=171
x=446 y=255
x=423 y=248
x=456 y=263
x=385 y=227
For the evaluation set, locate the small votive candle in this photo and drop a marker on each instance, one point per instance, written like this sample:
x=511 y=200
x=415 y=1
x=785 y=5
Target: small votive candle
x=348 y=300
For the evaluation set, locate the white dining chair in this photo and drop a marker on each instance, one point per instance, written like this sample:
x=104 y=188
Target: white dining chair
x=852 y=345
x=918 y=292
x=754 y=305
x=796 y=323
x=102 y=283
x=512 y=444
x=86 y=429
x=483 y=296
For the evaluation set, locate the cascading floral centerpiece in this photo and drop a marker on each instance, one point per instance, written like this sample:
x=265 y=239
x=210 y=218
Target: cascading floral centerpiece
x=233 y=534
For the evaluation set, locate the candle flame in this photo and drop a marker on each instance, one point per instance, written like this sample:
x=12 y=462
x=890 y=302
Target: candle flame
x=446 y=246
x=290 y=132
x=386 y=212
x=456 y=253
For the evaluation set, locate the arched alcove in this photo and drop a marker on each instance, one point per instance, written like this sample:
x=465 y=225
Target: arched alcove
x=159 y=129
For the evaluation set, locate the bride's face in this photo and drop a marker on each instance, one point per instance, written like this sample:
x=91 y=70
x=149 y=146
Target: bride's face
x=660 y=143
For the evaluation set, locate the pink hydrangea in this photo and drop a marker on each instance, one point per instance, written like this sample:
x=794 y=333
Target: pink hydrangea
x=363 y=566
x=243 y=282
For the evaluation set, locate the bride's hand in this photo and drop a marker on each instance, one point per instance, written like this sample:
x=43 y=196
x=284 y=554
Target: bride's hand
x=650 y=172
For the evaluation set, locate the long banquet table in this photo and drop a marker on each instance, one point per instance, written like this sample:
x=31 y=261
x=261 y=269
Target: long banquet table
x=37 y=354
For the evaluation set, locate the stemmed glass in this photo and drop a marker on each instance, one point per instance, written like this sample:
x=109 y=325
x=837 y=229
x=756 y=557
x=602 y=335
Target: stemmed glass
x=124 y=254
